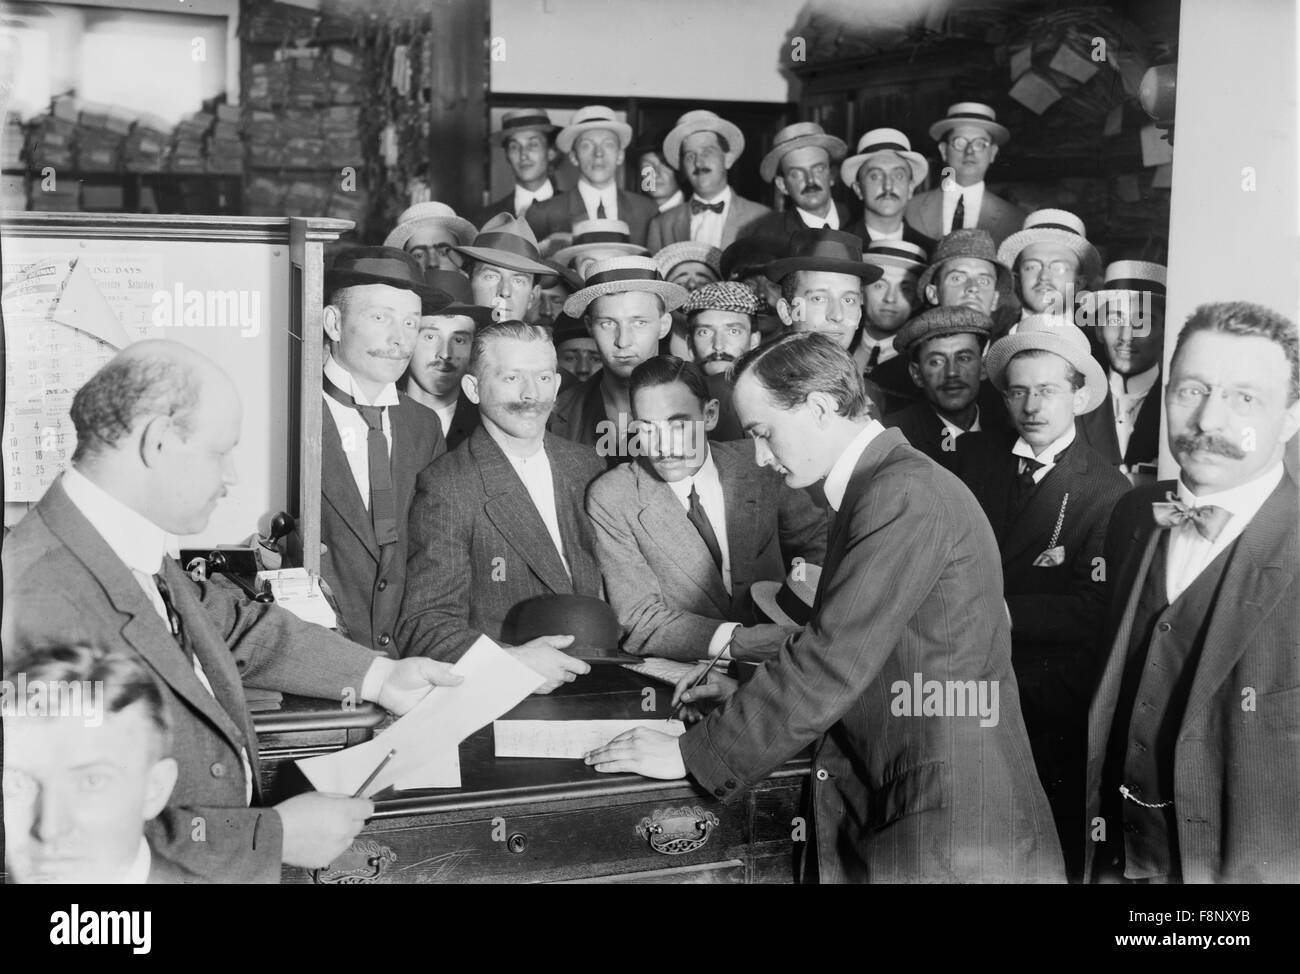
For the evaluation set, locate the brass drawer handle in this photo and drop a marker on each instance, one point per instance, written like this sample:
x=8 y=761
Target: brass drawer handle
x=677 y=831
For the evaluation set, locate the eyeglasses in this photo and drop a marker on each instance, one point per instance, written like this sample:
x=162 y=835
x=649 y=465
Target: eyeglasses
x=1189 y=394
x=1057 y=268
x=961 y=142
x=818 y=171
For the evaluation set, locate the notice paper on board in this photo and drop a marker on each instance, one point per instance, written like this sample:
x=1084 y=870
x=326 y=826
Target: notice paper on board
x=567 y=738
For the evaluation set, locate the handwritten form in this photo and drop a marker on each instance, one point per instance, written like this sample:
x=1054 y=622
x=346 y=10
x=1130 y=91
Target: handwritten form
x=567 y=738
x=426 y=737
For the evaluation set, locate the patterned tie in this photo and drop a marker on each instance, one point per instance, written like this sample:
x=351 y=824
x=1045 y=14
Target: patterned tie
x=959 y=214
x=1208 y=520
x=383 y=505
x=174 y=618
x=700 y=519
x=698 y=206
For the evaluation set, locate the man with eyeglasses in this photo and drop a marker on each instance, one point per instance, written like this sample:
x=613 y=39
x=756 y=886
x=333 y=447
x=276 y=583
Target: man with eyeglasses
x=1052 y=263
x=1049 y=499
x=802 y=165
x=1192 y=732
x=969 y=137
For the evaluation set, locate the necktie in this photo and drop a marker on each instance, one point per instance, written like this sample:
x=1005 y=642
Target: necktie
x=698 y=206
x=600 y=210
x=383 y=507
x=959 y=214
x=873 y=358
x=173 y=617
x=1208 y=520
x=1023 y=488
x=695 y=514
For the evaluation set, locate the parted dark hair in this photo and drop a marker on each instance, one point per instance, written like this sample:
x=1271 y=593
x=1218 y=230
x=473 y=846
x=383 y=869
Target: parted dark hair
x=796 y=365
x=1247 y=320
x=499 y=331
x=664 y=369
x=125 y=390
x=125 y=679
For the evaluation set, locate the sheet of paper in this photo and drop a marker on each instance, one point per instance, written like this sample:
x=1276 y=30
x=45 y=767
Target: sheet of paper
x=567 y=738
x=424 y=736
x=664 y=670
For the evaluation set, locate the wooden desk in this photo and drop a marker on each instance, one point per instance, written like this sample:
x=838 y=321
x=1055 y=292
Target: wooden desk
x=537 y=820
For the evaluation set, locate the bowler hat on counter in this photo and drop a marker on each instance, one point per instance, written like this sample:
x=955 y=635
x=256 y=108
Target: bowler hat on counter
x=359 y=266
x=592 y=623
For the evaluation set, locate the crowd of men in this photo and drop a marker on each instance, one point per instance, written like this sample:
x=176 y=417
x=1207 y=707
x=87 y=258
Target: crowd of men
x=841 y=452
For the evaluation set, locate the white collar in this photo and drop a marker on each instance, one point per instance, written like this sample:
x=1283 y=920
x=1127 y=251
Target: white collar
x=816 y=222
x=677 y=199
x=1244 y=500
x=342 y=378
x=706 y=476
x=1048 y=456
x=137 y=541
x=957 y=430
x=885 y=344
x=592 y=195
x=724 y=197
x=966 y=191
x=837 y=481
x=542 y=192
x=1134 y=385
x=138 y=873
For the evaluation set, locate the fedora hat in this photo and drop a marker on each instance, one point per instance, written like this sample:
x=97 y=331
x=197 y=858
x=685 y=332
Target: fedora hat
x=798 y=136
x=1057 y=227
x=1128 y=276
x=897 y=253
x=1050 y=333
x=976 y=244
x=942 y=322
x=613 y=236
x=970 y=113
x=430 y=213
x=788 y=603
x=565 y=329
x=835 y=251
x=879 y=142
x=751 y=255
x=525 y=120
x=723 y=296
x=593 y=624
x=358 y=266
x=670 y=255
x=456 y=286
x=702 y=120
x=507 y=242
x=593 y=117
x=616 y=275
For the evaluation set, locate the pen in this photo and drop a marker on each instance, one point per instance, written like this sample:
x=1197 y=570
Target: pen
x=374 y=774
x=698 y=680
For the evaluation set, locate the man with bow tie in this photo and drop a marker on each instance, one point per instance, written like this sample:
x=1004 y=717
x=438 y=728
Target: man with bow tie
x=1193 y=761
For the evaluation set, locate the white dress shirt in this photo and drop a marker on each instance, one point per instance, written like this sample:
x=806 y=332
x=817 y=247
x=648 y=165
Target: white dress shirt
x=593 y=197
x=535 y=472
x=974 y=196
x=708 y=485
x=873 y=234
x=1189 y=552
x=863 y=352
x=1048 y=457
x=1127 y=393
x=677 y=199
x=445 y=415
x=956 y=430
x=137 y=874
x=815 y=222
x=837 y=480
x=706 y=227
x=524 y=198
x=352 y=428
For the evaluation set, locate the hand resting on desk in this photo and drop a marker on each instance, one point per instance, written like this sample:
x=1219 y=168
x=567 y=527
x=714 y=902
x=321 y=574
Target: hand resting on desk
x=642 y=751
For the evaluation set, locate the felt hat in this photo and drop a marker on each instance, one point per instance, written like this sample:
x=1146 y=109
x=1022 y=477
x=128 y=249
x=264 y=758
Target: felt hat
x=617 y=275
x=1057 y=227
x=970 y=113
x=790 y=602
x=429 y=213
x=592 y=623
x=974 y=243
x=593 y=117
x=751 y=255
x=723 y=296
x=702 y=120
x=384 y=265
x=1050 y=333
x=525 y=120
x=456 y=285
x=879 y=142
x=508 y=242
x=942 y=322
x=800 y=135
x=565 y=328
x=835 y=251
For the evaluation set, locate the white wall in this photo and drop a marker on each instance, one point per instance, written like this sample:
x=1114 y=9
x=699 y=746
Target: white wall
x=725 y=50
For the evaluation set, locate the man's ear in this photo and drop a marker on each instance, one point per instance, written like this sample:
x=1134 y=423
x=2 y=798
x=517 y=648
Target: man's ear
x=159 y=782
x=1290 y=422
x=943 y=151
x=914 y=371
x=711 y=412
x=932 y=295
x=151 y=439
x=822 y=406
x=573 y=158
x=993 y=152
x=755 y=336
x=1081 y=397
x=666 y=325
x=552 y=156
x=333 y=322
x=781 y=186
x=534 y=297
x=469 y=386
x=857 y=191
x=621 y=154
x=785 y=312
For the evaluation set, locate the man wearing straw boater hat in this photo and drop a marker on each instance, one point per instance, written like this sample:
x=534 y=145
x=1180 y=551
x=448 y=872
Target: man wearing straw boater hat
x=1049 y=499
x=627 y=308
x=596 y=240
x=429 y=232
x=704 y=146
x=595 y=142
x=802 y=166
x=1051 y=261
x=969 y=137
x=884 y=173
x=1130 y=313
x=887 y=304
x=504 y=265
x=527 y=137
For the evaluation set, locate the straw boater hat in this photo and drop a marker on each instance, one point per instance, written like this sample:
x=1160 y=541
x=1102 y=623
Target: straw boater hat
x=897 y=253
x=970 y=113
x=942 y=322
x=593 y=117
x=702 y=120
x=1051 y=333
x=1057 y=227
x=800 y=135
x=966 y=243
x=507 y=242
x=607 y=235
x=722 y=296
x=670 y=255
x=1128 y=276
x=425 y=214
x=789 y=603
x=358 y=266
x=835 y=251
x=457 y=286
x=526 y=120
x=879 y=142
x=619 y=274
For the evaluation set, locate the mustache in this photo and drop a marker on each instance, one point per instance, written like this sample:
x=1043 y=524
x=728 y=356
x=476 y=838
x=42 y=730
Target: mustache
x=1208 y=443
x=888 y=194
x=811 y=188
x=720 y=357
x=701 y=171
x=528 y=408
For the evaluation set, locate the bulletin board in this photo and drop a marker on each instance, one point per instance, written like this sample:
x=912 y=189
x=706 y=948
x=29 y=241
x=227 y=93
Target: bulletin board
x=75 y=288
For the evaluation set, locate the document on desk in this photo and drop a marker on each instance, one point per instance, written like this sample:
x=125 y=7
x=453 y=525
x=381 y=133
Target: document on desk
x=425 y=739
x=567 y=738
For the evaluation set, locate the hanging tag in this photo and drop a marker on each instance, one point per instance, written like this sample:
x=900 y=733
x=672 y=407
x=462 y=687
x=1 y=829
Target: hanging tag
x=1051 y=558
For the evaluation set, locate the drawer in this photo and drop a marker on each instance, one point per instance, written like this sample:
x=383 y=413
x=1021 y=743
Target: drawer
x=732 y=872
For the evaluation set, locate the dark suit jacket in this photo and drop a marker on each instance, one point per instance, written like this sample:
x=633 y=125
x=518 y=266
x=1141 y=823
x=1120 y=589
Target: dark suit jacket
x=674 y=226
x=910 y=234
x=659 y=574
x=63 y=585
x=579 y=411
x=368 y=583
x=926 y=432
x=464 y=421
x=779 y=224
x=563 y=210
x=1097 y=429
x=479 y=547
x=505 y=204
x=1236 y=768
x=1001 y=219
x=911 y=585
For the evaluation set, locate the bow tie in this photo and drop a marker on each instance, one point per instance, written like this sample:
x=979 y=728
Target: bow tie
x=699 y=206
x=1208 y=520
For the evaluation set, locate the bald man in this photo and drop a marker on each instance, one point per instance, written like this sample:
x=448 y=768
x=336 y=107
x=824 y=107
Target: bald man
x=156 y=433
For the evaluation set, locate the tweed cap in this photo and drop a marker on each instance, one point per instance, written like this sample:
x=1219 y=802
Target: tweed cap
x=942 y=322
x=723 y=296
